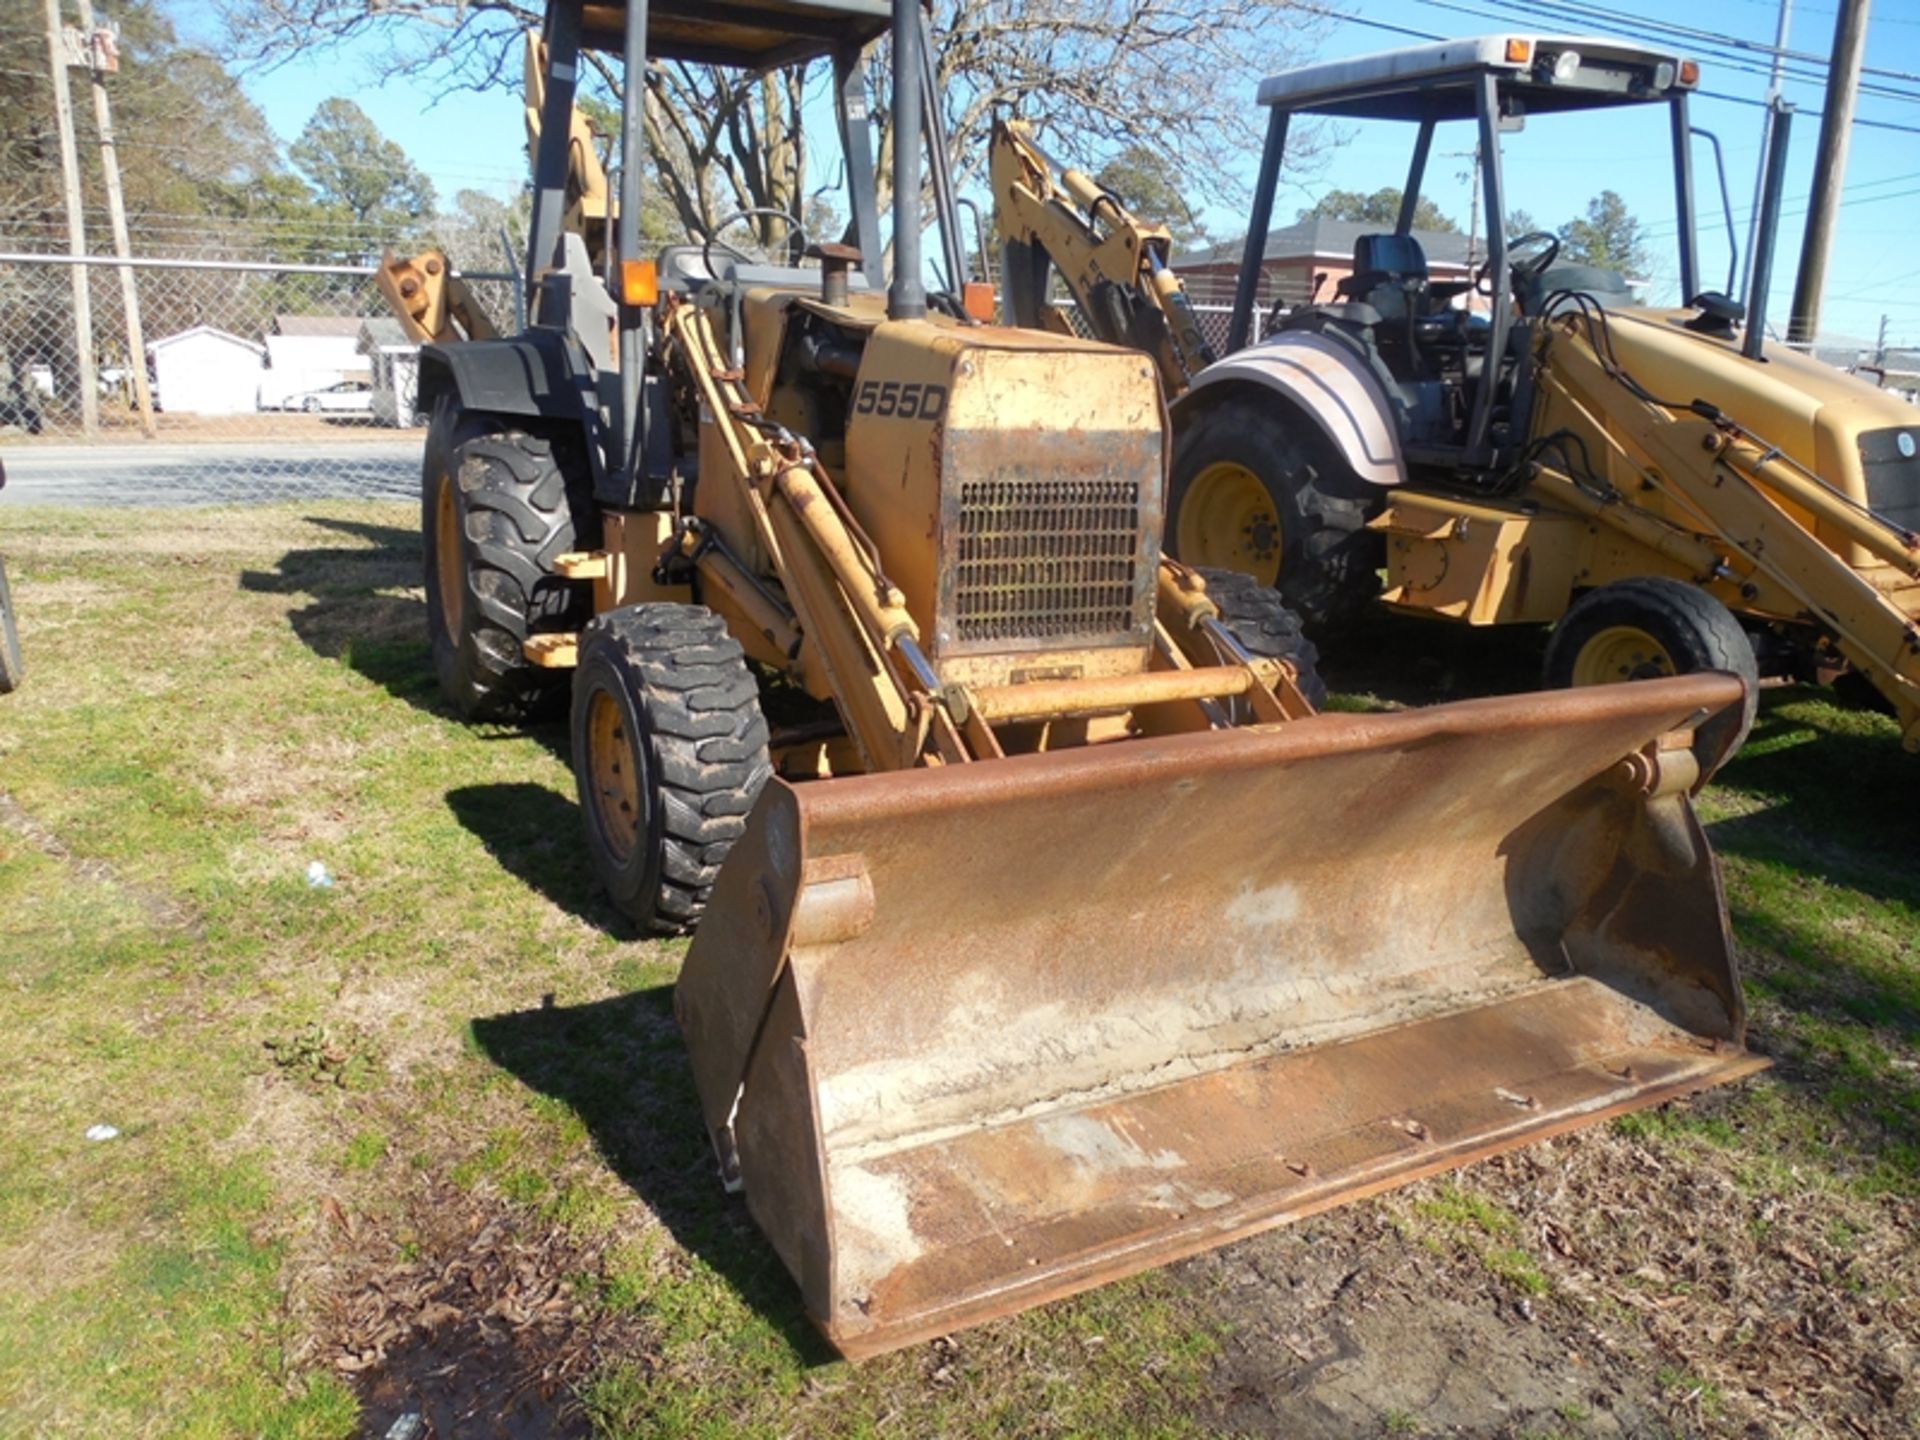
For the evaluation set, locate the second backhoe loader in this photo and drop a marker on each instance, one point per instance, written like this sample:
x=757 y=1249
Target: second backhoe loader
x=1044 y=931
x=1668 y=489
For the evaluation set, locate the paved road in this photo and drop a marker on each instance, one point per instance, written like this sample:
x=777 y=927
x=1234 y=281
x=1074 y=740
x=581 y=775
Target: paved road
x=222 y=473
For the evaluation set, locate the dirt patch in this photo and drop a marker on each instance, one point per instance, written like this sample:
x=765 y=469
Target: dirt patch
x=1531 y=1296
x=469 y=1315
x=1348 y=1327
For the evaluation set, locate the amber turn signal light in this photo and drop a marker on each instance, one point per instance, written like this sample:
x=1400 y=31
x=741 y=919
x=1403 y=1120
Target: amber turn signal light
x=639 y=282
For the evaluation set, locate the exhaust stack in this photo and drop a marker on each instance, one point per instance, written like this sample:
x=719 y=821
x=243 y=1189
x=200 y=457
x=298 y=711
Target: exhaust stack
x=907 y=295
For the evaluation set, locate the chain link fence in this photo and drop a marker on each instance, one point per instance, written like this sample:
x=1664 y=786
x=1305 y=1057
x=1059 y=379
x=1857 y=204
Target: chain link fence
x=267 y=380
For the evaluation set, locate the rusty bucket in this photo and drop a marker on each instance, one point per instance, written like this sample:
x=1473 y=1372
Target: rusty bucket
x=977 y=1037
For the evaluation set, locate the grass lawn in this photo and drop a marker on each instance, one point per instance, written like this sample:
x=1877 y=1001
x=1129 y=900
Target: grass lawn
x=424 y=1135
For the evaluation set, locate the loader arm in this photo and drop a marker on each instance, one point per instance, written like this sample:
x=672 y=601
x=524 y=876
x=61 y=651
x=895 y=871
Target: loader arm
x=1736 y=488
x=1114 y=264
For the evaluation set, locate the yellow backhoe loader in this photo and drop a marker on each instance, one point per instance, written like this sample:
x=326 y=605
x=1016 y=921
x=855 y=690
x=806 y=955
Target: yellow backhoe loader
x=1044 y=931
x=1670 y=492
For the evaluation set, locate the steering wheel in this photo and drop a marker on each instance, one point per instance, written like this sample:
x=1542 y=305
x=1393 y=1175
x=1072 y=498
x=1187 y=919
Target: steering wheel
x=794 y=228
x=1527 y=258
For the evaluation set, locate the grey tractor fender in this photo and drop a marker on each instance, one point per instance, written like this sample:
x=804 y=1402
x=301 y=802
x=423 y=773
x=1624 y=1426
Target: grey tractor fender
x=537 y=372
x=1324 y=380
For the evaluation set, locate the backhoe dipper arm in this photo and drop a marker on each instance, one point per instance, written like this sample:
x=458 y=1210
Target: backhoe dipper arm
x=1114 y=264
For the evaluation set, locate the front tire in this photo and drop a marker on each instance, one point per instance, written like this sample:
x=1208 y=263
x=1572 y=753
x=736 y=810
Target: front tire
x=669 y=755
x=1257 y=616
x=11 y=668
x=1257 y=487
x=1651 y=626
x=495 y=512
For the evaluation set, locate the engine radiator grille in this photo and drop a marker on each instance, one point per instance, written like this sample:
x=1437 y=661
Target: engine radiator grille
x=1048 y=559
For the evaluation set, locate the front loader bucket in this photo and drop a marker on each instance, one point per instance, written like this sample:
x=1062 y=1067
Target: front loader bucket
x=979 y=1036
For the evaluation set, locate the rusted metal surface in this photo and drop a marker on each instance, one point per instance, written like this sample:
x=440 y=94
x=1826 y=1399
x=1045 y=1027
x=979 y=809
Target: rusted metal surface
x=976 y=1037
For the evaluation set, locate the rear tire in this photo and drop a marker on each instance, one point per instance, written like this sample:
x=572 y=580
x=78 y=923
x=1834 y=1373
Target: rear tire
x=1641 y=628
x=669 y=755
x=11 y=668
x=1256 y=486
x=495 y=511
x=1259 y=619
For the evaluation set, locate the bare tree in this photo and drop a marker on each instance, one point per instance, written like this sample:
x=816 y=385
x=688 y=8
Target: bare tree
x=1172 y=78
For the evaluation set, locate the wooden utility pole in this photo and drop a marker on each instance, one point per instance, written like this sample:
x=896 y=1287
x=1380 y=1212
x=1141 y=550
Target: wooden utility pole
x=76 y=228
x=117 y=213
x=1829 y=168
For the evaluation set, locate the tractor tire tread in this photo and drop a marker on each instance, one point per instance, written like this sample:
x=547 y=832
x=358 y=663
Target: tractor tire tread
x=1329 y=564
x=1685 y=618
x=520 y=512
x=1260 y=619
x=707 y=741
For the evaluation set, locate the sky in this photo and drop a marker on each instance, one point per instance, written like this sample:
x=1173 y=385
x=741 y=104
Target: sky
x=463 y=140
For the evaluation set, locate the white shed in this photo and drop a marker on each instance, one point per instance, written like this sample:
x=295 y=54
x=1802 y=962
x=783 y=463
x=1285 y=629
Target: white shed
x=206 y=371
x=396 y=370
x=306 y=353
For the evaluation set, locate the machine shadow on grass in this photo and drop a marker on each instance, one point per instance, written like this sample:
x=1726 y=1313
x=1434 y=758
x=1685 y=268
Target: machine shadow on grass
x=355 y=619
x=353 y=616
x=621 y=1066
x=536 y=834
x=1835 y=796
x=1824 y=794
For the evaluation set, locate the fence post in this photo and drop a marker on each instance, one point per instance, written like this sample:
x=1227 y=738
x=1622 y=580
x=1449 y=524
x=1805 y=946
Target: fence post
x=117 y=213
x=76 y=229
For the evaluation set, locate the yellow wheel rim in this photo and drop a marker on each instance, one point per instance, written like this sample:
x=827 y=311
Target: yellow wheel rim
x=1621 y=652
x=616 y=788
x=1229 y=522
x=448 y=561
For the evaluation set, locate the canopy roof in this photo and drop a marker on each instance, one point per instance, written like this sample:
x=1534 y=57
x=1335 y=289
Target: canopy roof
x=746 y=34
x=1440 y=81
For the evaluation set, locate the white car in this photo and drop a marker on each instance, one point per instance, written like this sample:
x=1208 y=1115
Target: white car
x=349 y=397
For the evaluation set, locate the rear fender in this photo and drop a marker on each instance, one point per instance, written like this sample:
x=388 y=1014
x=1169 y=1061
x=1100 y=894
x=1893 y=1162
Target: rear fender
x=1324 y=381
x=534 y=373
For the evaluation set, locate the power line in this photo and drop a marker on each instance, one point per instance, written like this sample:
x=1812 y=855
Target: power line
x=1344 y=18
x=1664 y=228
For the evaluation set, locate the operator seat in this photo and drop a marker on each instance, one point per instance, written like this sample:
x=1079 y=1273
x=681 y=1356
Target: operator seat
x=1389 y=271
